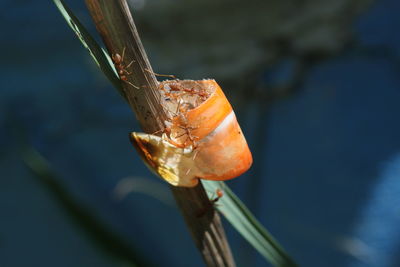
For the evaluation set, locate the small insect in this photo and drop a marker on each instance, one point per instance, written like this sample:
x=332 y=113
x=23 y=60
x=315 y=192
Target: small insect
x=213 y=202
x=201 y=93
x=190 y=138
x=169 y=94
x=177 y=127
x=121 y=68
x=219 y=193
x=175 y=132
x=181 y=123
x=177 y=87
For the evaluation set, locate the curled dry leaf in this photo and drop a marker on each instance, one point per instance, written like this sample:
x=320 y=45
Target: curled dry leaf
x=201 y=139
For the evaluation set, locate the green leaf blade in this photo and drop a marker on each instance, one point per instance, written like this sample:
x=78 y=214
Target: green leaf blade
x=99 y=55
x=233 y=209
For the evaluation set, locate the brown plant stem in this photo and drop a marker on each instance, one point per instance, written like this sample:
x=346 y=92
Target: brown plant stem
x=115 y=24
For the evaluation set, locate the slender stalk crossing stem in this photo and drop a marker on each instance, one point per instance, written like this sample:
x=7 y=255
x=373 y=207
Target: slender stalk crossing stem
x=115 y=24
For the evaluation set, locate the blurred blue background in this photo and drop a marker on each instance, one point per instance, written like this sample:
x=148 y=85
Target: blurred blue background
x=315 y=86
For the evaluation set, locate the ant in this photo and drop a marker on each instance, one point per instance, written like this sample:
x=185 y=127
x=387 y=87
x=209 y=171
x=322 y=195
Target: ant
x=183 y=130
x=213 y=202
x=176 y=86
x=219 y=193
x=201 y=93
x=121 y=68
x=191 y=91
x=173 y=91
x=190 y=139
x=180 y=121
